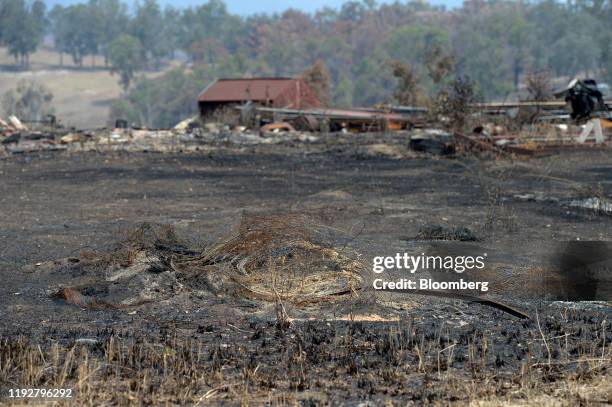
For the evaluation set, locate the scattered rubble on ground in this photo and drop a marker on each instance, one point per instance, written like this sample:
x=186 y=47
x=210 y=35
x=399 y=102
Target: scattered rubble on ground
x=393 y=151
x=433 y=141
x=190 y=135
x=16 y=124
x=594 y=204
x=439 y=232
x=536 y=196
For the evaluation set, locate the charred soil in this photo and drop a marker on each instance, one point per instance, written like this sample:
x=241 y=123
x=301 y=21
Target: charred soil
x=135 y=276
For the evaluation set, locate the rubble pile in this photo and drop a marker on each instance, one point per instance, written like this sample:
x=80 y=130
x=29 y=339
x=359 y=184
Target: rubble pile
x=489 y=136
x=18 y=139
x=286 y=258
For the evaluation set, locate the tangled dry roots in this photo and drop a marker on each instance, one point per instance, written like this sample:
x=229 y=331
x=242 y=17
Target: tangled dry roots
x=282 y=258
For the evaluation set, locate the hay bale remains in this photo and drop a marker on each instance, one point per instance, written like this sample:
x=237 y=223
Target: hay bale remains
x=287 y=258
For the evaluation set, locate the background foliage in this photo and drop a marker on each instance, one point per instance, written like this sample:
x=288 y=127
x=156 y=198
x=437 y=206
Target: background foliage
x=495 y=43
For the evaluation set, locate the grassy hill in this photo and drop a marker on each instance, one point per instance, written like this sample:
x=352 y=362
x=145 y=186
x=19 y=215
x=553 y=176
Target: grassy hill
x=82 y=96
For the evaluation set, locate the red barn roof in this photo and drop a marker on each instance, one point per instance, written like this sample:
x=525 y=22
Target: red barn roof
x=280 y=92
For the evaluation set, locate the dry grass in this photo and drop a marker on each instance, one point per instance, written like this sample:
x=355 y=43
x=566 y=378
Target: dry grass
x=113 y=372
x=45 y=58
x=81 y=97
x=440 y=367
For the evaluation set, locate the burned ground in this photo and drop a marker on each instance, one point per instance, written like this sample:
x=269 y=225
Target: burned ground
x=193 y=345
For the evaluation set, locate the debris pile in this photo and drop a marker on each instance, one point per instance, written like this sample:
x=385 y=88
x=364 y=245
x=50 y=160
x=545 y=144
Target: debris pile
x=439 y=232
x=285 y=258
x=185 y=137
x=434 y=141
x=135 y=271
x=594 y=204
x=17 y=137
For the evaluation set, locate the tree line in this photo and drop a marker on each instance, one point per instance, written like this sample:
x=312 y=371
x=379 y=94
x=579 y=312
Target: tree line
x=22 y=27
x=496 y=43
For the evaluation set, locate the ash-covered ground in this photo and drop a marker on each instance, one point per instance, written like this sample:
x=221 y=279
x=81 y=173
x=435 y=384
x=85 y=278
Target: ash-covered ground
x=193 y=343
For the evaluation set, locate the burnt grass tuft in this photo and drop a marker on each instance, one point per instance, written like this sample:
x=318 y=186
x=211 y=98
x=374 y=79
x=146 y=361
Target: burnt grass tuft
x=317 y=363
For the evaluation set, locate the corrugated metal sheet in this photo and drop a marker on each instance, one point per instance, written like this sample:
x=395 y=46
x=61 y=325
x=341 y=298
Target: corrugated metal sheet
x=256 y=89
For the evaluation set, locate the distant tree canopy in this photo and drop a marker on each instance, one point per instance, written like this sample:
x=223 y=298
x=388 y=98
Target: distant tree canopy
x=162 y=102
x=22 y=27
x=497 y=43
x=125 y=54
x=88 y=29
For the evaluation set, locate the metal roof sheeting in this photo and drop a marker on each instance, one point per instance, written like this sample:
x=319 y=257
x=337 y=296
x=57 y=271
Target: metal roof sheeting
x=255 y=89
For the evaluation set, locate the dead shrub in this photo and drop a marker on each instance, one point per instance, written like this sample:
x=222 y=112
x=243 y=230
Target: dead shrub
x=454 y=105
x=539 y=86
x=407 y=91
